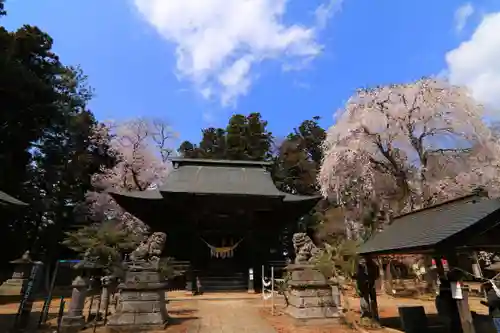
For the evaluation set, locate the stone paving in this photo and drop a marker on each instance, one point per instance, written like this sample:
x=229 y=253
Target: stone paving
x=229 y=316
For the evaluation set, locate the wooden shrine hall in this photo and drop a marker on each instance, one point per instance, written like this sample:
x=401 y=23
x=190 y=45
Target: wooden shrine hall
x=223 y=217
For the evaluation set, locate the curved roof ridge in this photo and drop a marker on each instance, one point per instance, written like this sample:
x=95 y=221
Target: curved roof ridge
x=179 y=162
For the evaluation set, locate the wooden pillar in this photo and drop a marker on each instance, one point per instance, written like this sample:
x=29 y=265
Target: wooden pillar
x=366 y=278
x=464 y=312
x=251 y=258
x=193 y=249
x=456 y=277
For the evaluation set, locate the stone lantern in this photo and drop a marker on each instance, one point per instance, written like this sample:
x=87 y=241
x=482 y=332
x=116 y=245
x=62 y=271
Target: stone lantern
x=22 y=268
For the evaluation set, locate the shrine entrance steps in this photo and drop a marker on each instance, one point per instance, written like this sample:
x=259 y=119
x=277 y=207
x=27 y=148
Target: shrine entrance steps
x=219 y=281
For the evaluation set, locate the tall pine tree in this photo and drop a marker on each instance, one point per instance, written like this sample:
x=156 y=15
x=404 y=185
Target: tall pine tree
x=245 y=138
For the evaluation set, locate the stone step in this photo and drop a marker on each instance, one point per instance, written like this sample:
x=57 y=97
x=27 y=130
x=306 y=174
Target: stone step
x=220 y=272
x=223 y=277
x=225 y=288
x=223 y=283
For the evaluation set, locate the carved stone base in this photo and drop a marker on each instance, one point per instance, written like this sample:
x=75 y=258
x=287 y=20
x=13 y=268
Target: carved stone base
x=311 y=298
x=137 y=322
x=142 y=306
x=135 y=328
x=13 y=287
x=70 y=324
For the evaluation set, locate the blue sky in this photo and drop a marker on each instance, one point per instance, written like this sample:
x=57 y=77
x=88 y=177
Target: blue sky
x=130 y=51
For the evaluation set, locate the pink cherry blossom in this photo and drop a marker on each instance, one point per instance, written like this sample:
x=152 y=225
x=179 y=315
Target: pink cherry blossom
x=408 y=146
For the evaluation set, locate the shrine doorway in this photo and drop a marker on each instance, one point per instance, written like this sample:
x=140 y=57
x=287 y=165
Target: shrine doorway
x=222 y=253
x=222 y=262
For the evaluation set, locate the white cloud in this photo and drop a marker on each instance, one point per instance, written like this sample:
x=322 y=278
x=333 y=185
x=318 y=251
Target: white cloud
x=462 y=14
x=476 y=62
x=325 y=12
x=218 y=42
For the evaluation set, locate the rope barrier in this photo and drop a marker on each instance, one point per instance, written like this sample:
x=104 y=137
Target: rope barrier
x=266 y=284
x=493 y=281
x=268 y=288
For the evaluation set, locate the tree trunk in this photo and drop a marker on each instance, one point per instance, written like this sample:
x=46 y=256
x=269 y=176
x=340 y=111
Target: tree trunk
x=381 y=279
x=389 y=286
x=430 y=276
x=48 y=276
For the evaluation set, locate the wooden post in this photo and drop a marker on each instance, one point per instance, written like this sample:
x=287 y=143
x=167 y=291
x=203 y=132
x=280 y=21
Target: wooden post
x=463 y=302
x=464 y=312
x=272 y=290
x=262 y=282
x=478 y=272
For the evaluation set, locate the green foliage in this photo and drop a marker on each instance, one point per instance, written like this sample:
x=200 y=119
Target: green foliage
x=102 y=244
x=29 y=94
x=46 y=157
x=338 y=260
x=167 y=269
x=2 y=8
x=299 y=158
x=244 y=138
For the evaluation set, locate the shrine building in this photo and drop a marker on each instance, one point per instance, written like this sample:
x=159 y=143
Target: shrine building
x=223 y=217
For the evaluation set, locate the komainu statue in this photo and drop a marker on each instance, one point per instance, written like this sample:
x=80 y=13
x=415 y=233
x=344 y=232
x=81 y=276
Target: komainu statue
x=151 y=249
x=305 y=250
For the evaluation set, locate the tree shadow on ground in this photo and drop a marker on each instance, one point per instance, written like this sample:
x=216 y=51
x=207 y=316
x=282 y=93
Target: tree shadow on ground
x=177 y=317
x=180 y=316
x=7 y=299
x=482 y=324
x=7 y=321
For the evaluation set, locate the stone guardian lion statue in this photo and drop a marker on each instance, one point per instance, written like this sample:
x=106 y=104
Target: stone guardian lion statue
x=305 y=250
x=151 y=249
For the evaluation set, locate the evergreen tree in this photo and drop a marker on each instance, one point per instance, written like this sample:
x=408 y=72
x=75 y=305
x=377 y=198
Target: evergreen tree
x=103 y=244
x=245 y=138
x=299 y=158
x=46 y=157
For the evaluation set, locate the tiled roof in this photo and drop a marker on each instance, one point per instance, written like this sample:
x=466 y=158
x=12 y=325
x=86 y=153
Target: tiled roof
x=430 y=227
x=6 y=199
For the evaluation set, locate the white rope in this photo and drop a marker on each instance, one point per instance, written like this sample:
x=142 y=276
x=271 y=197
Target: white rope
x=492 y=281
x=267 y=295
x=222 y=252
x=267 y=291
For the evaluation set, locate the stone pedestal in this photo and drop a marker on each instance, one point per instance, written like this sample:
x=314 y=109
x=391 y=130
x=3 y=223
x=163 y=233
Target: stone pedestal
x=142 y=306
x=104 y=301
x=17 y=283
x=74 y=321
x=311 y=299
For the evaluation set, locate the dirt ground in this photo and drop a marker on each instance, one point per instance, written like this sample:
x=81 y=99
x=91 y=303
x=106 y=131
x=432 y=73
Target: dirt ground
x=283 y=324
x=388 y=311
x=181 y=313
x=184 y=311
